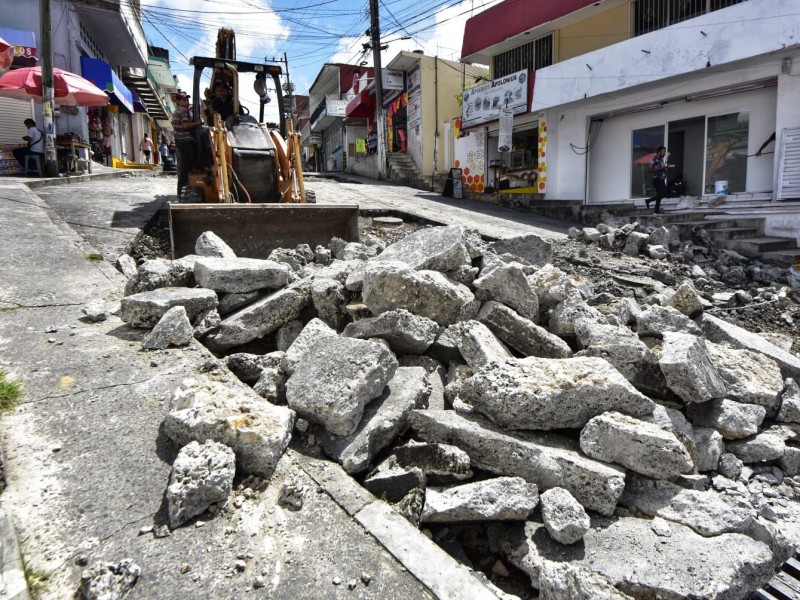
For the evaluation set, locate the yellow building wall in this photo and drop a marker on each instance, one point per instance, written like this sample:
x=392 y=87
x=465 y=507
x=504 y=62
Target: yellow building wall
x=596 y=32
x=449 y=76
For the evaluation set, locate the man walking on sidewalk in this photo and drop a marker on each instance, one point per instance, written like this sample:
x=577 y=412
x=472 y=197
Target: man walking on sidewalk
x=658 y=169
x=146 y=146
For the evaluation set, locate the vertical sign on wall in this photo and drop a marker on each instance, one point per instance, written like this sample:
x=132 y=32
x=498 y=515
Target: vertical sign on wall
x=541 y=167
x=506 y=127
x=414 y=116
x=471 y=159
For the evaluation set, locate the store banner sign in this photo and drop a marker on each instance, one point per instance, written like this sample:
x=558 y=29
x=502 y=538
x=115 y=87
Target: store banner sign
x=336 y=107
x=471 y=159
x=506 y=127
x=393 y=80
x=541 y=165
x=483 y=103
x=315 y=139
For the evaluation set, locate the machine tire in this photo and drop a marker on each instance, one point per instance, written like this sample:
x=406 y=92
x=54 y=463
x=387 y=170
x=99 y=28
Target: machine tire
x=311 y=197
x=192 y=194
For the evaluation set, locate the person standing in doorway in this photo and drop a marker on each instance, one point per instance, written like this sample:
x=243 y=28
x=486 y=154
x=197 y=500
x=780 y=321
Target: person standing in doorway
x=183 y=124
x=658 y=170
x=35 y=139
x=146 y=146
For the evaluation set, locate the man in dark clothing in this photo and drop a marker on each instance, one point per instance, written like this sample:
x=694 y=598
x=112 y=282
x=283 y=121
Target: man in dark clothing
x=658 y=169
x=222 y=103
x=183 y=124
x=35 y=139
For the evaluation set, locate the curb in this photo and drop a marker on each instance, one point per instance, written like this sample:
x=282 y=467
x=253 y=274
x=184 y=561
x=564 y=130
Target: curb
x=445 y=578
x=39 y=183
x=13 y=585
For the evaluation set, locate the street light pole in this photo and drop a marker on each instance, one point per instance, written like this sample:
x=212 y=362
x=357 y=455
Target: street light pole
x=380 y=120
x=48 y=92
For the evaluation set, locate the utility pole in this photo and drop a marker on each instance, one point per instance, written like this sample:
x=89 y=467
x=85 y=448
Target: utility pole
x=380 y=120
x=48 y=92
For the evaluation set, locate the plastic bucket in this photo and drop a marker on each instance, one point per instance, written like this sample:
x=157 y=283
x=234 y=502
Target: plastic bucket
x=721 y=187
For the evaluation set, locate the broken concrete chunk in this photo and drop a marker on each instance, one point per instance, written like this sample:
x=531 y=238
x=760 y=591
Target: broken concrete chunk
x=95 y=311
x=271 y=385
x=248 y=367
x=259 y=319
x=229 y=303
x=675 y=422
x=205 y=322
x=313 y=331
x=749 y=377
x=384 y=419
x=479 y=346
x=689 y=371
x=405 y=333
x=210 y=244
x=173 y=329
x=202 y=475
x=108 y=581
x=710 y=447
x=719 y=331
x=637 y=445
x=391 y=285
x=509 y=285
x=229 y=412
x=544 y=393
x=292 y=258
x=126 y=265
x=436 y=376
x=147 y=308
x=635 y=243
x=733 y=420
x=436 y=248
x=240 y=275
x=498 y=499
x=522 y=334
x=336 y=378
x=442 y=463
x=533 y=248
x=410 y=506
x=287 y=334
x=657 y=320
x=564 y=518
x=392 y=482
x=328 y=297
x=727 y=566
x=790 y=403
x=569 y=310
x=729 y=466
x=546 y=460
x=765 y=446
x=686 y=300
x=159 y=273
x=564 y=581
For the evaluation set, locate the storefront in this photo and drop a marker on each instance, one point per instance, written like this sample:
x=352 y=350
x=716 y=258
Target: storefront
x=711 y=140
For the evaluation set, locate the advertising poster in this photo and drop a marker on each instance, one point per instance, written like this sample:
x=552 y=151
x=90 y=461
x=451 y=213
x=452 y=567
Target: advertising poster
x=506 y=126
x=483 y=103
x=393 y=80
x=471 y=159
x=541 y=167
x=414 y=112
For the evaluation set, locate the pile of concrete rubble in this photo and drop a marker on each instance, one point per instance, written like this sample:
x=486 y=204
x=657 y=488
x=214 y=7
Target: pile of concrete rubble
x=630 y=448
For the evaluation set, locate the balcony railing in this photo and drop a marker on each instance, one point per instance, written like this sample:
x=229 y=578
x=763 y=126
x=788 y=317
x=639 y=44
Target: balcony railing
x=650 y=15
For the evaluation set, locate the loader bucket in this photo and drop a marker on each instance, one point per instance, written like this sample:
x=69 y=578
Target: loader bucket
x=254 y=230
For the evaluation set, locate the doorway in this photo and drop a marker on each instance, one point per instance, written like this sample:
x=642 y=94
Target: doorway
x=686 y=147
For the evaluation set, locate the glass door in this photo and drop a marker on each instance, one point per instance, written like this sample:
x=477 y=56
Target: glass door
x=644 y=144
x=726 y=152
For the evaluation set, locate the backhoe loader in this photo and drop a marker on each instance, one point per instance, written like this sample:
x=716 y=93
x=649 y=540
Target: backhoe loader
x=246 y=183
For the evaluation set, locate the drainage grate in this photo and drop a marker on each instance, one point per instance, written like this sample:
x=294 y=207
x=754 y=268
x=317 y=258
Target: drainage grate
x=785 y=585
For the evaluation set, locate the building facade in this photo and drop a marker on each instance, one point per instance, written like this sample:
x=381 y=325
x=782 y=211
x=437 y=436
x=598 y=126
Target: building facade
x=612 y=80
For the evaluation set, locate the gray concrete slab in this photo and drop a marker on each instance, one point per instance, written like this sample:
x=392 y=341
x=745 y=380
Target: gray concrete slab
x=87 y=464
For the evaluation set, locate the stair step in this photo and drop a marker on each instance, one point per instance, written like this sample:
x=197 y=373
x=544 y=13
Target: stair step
x=725 y=233
x=783 y=257
x=755 y=246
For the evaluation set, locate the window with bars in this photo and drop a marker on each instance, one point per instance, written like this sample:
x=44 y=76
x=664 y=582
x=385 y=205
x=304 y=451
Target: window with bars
x=650 y=15
x=536 y=54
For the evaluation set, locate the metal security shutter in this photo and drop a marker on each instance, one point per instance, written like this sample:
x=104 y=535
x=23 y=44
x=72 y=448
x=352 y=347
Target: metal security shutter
x=789 y=177
x=12 y=114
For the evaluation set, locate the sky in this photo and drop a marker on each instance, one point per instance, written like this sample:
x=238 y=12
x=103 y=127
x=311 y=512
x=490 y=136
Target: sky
x=310 y=33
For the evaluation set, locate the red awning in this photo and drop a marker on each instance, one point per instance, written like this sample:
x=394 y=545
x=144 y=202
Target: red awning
x=362 y=106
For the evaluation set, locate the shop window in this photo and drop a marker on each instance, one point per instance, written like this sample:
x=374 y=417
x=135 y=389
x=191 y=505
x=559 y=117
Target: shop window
x=726 y=152
x=644 y=143
x=650 y=15
x=536 y=54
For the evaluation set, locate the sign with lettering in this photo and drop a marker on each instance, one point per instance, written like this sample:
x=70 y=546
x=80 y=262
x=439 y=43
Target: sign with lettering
x=484 y=102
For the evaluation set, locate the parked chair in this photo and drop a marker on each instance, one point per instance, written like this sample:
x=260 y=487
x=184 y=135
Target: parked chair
x=37 y=165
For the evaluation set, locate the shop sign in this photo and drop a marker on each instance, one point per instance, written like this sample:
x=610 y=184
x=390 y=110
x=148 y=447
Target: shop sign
x=336 y=107
x=392 y=80
x=315 y=139
x=483 y=103
x=24 y=44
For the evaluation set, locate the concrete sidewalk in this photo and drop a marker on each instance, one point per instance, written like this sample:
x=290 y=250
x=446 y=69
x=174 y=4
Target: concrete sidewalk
x=87 y=464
